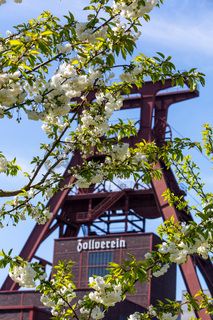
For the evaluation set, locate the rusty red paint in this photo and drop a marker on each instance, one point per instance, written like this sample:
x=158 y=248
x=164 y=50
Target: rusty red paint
x=150 y=99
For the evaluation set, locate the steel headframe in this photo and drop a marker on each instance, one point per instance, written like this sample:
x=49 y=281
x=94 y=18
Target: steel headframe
x=153 y=100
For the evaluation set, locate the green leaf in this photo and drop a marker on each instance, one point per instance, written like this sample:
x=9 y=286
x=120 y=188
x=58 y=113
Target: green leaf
x=15 y=43
x=47 y=33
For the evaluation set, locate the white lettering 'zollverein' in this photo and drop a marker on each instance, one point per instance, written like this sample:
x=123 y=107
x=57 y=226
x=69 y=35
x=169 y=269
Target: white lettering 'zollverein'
x=93 y=244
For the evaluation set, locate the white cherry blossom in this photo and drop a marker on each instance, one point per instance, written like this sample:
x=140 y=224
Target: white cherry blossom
x=23 y=275
x=97 y=314
x=133 y=9
x=161 y=271
x=3 y=164
x=134 y=316
x=168 y=316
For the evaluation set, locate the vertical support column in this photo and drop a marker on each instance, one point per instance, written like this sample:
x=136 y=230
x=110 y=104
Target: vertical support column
x=126 y=212
x=146 y=116
x=188 y=269
x=160 y=124
x=31 y=315
x=89 y=213
x=108 y=221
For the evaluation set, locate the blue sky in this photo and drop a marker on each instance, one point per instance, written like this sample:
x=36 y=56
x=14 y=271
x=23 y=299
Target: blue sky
x=181 y=28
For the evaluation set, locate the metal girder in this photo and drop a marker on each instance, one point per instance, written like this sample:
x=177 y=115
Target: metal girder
x=104 y=205
x=152 y=102
x=86 y=207
x=39 y=232
x=162 y=103
x=188 y=269
x=206 y=269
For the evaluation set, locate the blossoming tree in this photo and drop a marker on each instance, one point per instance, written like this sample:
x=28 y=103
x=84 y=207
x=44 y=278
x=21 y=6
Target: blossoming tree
x=87 y=54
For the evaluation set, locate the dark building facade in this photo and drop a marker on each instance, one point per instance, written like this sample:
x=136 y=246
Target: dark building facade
x=22 y=305
x=91 y=256
x=98 y=208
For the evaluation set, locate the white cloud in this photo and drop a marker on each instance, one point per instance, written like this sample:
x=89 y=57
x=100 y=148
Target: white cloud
x=185 y=35
x=184 y=26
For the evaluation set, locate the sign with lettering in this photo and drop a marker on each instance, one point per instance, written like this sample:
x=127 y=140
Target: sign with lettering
x=84 y=245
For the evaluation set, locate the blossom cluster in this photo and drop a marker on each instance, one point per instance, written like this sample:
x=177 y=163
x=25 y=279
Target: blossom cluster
x=40 y=216
x=94 y=121
x=97 y=123
x=168 y=316
x=180 y=248
x=97 y=173
x=135 y=316
x=54 y=96
x=86 y=34
x=158 y=269
x=11 y=91
x=58 y=299
x=66 y=48
x=96 y=313
x=71 y=82
x=131 y=75
x=121 y=29
x=105 y=293
x=120 y=151
x=115 y=154
x=82 y=182
x=133 y=9
x=51 y=121
x=110 y=102
x=93 y=127
x=161 y=271
x=3 y=164
x=23 y=275
x=152 y=313
x=39 y=213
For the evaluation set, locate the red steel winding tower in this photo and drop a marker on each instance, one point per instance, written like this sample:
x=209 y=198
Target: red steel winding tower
x=87 y=220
